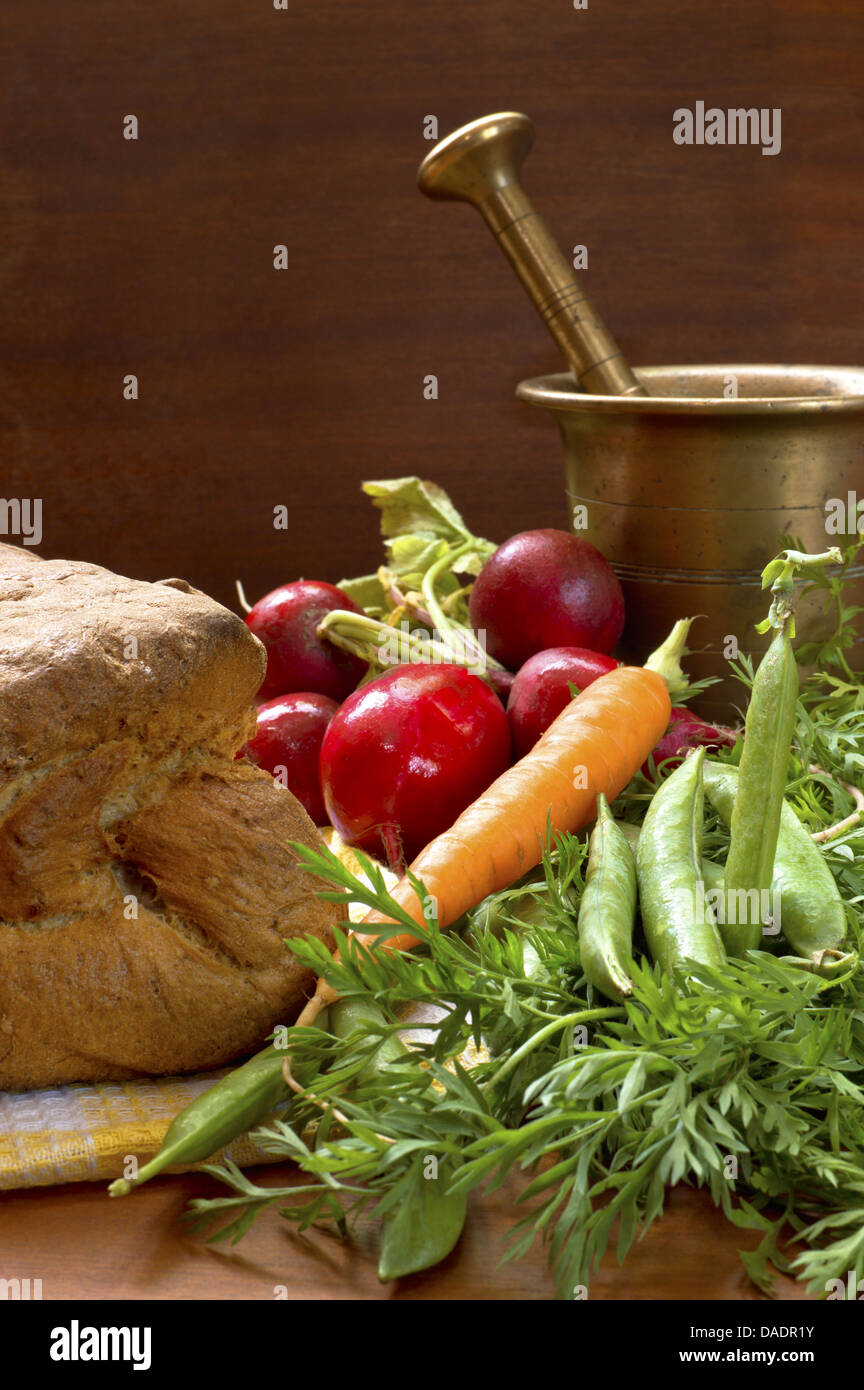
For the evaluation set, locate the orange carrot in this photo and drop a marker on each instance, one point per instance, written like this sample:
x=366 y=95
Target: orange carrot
x=596 y=744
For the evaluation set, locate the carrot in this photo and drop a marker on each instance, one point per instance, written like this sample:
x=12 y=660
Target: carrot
x=597 y=744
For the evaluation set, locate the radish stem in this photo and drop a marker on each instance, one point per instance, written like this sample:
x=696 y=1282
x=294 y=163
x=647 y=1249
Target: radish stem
x=373 y=640
x=447 y=629
x=383 y=645
x=441 y=621
x=241 y=596
x=820 y=836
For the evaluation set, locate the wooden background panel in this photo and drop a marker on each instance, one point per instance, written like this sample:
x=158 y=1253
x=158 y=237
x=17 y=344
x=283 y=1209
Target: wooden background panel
x=304 y=127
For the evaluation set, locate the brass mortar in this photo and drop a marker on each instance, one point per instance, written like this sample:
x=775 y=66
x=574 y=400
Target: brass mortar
x=688 y=492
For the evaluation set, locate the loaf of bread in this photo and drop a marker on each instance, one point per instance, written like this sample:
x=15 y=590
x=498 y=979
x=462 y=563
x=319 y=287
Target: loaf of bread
x=146 y=881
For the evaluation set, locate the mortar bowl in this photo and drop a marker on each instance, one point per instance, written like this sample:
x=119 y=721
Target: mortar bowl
x=688 y=492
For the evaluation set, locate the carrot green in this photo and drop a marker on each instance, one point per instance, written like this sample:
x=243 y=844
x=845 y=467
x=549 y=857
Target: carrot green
x=744 y=1076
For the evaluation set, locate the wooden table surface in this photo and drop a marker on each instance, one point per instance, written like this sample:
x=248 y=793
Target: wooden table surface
x=82 y=1245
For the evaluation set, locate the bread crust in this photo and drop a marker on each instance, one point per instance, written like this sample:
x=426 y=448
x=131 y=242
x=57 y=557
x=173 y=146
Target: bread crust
x=89 y=656
x=146 y=881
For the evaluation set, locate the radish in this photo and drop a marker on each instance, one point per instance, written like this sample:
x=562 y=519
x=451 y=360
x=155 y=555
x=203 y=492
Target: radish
x=686 y=730
x=546 y=589
x=542 y=687
x=405 y=755
x=286 y=620
x=291 y=730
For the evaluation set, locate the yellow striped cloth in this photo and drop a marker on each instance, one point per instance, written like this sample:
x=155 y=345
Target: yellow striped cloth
x=85 y=1133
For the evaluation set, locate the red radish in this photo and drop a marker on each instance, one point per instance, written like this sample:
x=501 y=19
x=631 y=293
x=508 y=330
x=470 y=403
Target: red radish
x=541 y=689
x=291 y=730
x=407 y=753
x=546 y=589
x=686 y=730
x=297 y=659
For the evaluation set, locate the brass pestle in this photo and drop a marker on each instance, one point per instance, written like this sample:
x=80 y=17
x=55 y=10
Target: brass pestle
x=480 y=163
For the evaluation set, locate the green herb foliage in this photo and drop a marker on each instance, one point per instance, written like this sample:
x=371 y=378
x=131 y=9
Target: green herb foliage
x=421 y=528
x=746 y=1080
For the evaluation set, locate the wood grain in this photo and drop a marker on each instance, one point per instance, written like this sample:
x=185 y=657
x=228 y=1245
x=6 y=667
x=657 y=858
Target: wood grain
x=304 y=127
x=83 y=1245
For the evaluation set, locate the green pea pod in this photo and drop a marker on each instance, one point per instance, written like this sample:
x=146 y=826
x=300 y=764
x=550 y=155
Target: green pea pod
x=630 y=833
x=812 y=917
x=713 y=876
x=236 y=1103
x=422 y=1228
x=755 y=823
x=678 y=923
x=528 y=908
x=608 y=907
x=346 y=1015
x=525 y=902
x=723 y=903
x=532 y=911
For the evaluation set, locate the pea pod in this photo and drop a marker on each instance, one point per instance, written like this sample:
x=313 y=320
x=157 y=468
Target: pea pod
x=812 y=916
x=235 y=1104
x=420 y=1228
x=240 y=1101
x=755 y=822
x=678 y=923
x=608 y=907
x=630 y=833
x=243 y=1099
x=526 y=904
x=713 y=876
x=346 y=1015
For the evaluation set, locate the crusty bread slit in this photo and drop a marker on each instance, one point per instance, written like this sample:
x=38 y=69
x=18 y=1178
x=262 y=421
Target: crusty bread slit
x=146 y=880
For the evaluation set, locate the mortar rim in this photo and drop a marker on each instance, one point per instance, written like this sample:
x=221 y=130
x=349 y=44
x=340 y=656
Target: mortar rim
x=553 y=392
